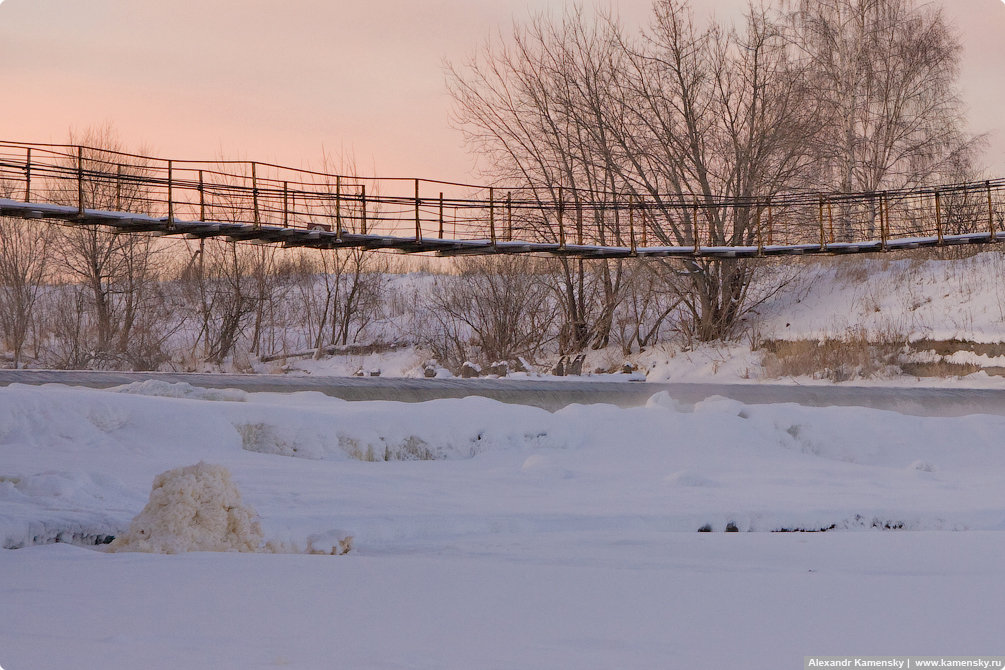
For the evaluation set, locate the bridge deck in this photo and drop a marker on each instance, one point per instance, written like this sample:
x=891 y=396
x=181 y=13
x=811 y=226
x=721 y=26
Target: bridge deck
x=323 y=239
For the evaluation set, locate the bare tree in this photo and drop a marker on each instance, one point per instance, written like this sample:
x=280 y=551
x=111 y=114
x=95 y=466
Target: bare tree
x=351 y=281
x=649 y=306
x=684 y=117
x=119 y=271
x=884 y=74
x=498 y=309
x=24 y=266
x=68 y=326
x=535 y=107
x=232 y=289
x=716 y=115
x=218 y=283
x=339 y=294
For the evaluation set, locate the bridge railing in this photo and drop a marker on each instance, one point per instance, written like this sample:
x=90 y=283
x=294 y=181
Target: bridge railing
x=268 y=195
x=244 y=192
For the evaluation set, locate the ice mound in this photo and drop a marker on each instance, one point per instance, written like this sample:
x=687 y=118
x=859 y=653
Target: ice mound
x=334 y=542
x=194 y=508
x=286 y=438
x=664 y=400
x=155 y=387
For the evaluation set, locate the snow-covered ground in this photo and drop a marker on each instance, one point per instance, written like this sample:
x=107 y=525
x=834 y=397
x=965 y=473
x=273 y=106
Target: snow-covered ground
x=501 y=536
x=913 y=299
x=846 y=298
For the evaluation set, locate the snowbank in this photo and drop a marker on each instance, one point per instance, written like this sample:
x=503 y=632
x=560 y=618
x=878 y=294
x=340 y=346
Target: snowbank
x=76 y=466
x=162 y=389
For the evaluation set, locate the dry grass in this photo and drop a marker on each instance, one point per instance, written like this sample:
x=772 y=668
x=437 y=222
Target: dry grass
x=834 y=359
x=944 y=369
x=950 y=347
x=855 y=357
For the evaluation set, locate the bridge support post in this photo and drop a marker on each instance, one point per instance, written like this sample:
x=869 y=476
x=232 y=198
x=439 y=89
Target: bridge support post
x=27 y=177
x=441 y=215
x=697 y=235
x=286 y=204
x=80 y=181
x=362 y=205
x=991 y=214
x=643 y=223
x=202 y=198
x=170 y=194
x=884 y=218
x=617 y=221
x=579 y=218
x=770 y=225
x=938 y=218
x=631 y=223
x=509 y=216
x=254 y=193
x=760 y=234
x=418 y=225
x=338 y=208
x=823 y=239
x=492 y=215
x=830 y=221
x=561 y=214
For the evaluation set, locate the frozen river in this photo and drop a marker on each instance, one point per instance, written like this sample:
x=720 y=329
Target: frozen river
x=553 y=394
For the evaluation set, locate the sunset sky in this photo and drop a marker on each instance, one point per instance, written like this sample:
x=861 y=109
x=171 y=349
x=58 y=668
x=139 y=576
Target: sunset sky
x=277 y=80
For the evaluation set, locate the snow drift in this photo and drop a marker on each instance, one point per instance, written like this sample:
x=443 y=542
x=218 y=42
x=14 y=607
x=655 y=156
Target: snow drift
x=194 y=508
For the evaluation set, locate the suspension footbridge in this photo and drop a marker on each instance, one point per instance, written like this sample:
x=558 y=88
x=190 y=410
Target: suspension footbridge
x=270 y=204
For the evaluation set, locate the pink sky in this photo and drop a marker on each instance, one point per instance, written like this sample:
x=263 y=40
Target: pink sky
x=275 y=80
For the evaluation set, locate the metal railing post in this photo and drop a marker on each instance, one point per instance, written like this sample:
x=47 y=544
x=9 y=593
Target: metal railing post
x=884 y=215
x=697 y=234
x=770 y=225
x=760 y=233
x=644 y=223
x=418 y=225
x=338 y=206
x=823 y=239
x=492 y=215
x=441 y=215
x=509 y=216
x=202 y=197
x=938 y=218
x=830 y=219
x=617 y=219
x=254 y=194
x=362 y=198
x=27 y=177
x=561 y=215
x=991 y=214
x=579 y=218
x=170 y=193
x=80 y=181
x=631 y=222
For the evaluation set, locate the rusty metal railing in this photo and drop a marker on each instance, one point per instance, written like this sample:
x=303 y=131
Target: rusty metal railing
x=298 y=207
